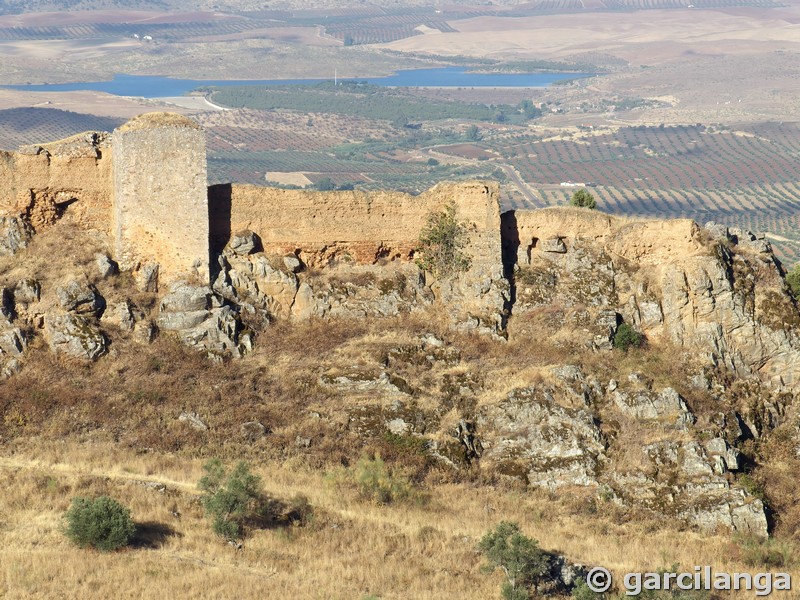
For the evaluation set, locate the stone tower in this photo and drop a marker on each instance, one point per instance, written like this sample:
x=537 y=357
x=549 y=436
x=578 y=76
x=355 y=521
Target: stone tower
x=160 y=197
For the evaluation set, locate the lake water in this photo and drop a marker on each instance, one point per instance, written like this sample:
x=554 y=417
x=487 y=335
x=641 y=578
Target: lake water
x=159 y=87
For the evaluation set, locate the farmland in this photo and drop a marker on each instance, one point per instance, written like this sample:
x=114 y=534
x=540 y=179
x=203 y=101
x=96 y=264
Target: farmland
x=357 y=99
x=21 y=126
x=747 y=175
x=744 y=175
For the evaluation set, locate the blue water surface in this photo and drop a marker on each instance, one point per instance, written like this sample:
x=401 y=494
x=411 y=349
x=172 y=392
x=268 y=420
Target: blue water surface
x=147 y=86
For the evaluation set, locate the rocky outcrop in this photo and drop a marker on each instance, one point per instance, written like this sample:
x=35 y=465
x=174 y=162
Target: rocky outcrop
x=80 y=297
x=15 y=234
x=273 y=287
x=552 y=445
x=550 y=435
x=713 y=292
x=200 y=319
x=75 y=335
x=12 y=340
x=686 y=481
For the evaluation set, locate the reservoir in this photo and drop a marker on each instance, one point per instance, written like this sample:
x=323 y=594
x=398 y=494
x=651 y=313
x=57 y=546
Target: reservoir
x=147 y=86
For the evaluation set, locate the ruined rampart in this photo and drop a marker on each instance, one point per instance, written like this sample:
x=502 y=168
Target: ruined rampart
x=366 y=226
x=44 y=183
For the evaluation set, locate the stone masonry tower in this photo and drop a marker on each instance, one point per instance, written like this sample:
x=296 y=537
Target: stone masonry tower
x=160 y=203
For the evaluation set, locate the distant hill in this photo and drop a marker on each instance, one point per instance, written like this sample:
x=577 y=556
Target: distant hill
x=19 y=126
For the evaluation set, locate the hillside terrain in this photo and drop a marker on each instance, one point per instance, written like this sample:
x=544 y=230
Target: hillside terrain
x=682 y=449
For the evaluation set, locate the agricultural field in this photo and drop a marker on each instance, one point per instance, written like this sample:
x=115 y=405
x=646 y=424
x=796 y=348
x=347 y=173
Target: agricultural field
x=747 y=175
x=21 y=126
x=360 y=99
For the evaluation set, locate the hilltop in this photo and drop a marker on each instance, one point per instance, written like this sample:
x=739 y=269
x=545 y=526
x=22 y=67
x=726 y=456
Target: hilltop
x=512 y=388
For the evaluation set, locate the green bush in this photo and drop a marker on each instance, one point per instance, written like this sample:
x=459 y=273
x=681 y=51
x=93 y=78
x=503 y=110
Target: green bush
x=767 y=553
x=582 y=591
x=101 y=523
x=793 y=279
x=376 y=482
x=441 y=244
x=627 y=337
x=519 y=556
x=583 y=199
x=325 y=184
x=230 y=499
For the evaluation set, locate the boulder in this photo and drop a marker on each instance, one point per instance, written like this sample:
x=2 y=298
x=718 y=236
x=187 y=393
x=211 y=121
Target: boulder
x=243 y=242
x=292 y=263
x=74 y=335
x=183 y=297
x=27 y=291
x=15 y=234
x=718 y=231
x=105 y=266
x=253 y=430
x=12 y=340
x=146 y=277
x=80 y=297
x=193 y=420
x=120 y=315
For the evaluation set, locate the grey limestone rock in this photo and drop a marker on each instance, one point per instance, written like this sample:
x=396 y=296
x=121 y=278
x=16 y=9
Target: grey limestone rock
x=200 y=320
x=75 y=335
x=243 y=242
x=146 y=277
x=253 y=430
x=644 y=404
x=183 y=297
x=80 y=297
x=15 y=234
x=27 y=291
x=292 y=263
x=718 y=231
x=552 y=445
x=193 y=420
x=105 y=266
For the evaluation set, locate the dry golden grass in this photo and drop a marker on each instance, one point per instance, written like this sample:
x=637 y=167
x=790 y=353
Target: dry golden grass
x=350 y=550
x=68 y=428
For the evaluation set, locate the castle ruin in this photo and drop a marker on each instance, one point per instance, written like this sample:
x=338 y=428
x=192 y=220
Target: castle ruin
x=351 y=253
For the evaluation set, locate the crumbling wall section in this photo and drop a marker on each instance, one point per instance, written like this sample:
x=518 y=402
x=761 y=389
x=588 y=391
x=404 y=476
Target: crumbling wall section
x=69 y=178
x=318 y=225
x=160 y=196
x=325 y=229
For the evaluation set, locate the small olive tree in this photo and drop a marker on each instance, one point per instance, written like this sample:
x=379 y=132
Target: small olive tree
x=378 y=483
x=627 y=337
x=441 y=244
x=520 y=558
x=583 y=199
x=230 y=499
x=101 y=523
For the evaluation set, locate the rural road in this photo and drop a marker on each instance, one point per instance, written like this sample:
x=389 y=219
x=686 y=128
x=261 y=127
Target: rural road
x=523 y=187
